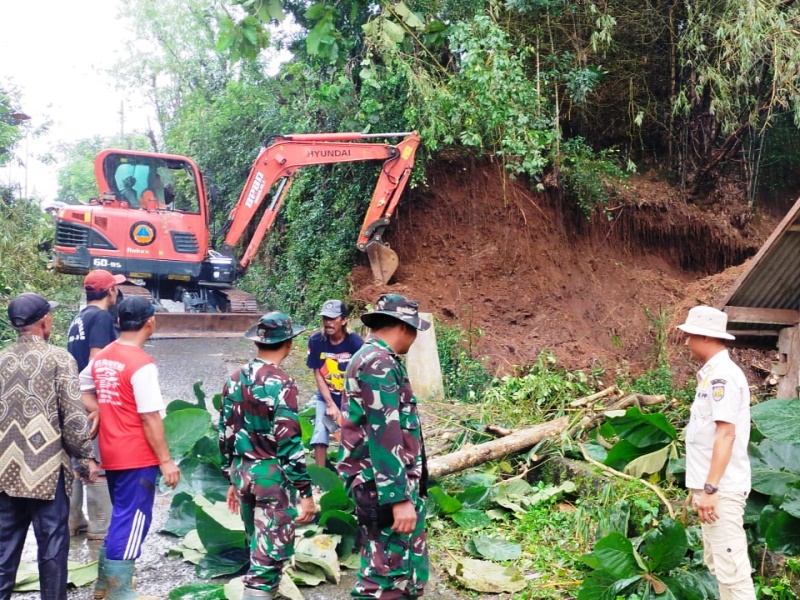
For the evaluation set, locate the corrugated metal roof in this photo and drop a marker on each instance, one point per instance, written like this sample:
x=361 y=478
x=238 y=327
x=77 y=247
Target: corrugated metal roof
x=766 y=297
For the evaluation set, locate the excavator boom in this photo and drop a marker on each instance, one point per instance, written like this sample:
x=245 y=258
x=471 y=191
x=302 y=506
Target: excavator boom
x=278 y=163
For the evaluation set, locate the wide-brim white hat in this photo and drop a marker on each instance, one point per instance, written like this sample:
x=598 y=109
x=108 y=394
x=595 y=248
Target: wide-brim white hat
x=707 y=321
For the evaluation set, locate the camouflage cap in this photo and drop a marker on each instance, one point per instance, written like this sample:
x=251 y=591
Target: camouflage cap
x=272 y=328
x=399 y=307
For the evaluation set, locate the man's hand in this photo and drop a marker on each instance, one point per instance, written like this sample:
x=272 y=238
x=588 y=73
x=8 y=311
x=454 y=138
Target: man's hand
x=706 y=507
x=94 y=470
x=307 y=510
x=94 y=419
x=405 y=517
x=333 y=412
x=233 y=500
x=171 y=473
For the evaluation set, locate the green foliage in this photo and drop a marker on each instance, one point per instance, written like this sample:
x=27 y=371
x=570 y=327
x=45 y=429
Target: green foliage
x=464 y=375
x=590 y=177
x=543 y=390
x=10 y=131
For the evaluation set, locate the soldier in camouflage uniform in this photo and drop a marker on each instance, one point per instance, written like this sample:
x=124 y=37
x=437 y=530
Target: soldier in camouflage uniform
x=263 y=455
x=382 y=455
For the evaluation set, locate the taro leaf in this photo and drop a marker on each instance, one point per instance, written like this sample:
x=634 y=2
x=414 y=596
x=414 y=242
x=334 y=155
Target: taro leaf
x=773 y=467
x=446 y=503
x=287 y=589
x=649 y=463
x=614 y=554
x=783 y=534
x=471 y=518
x=191 y=548
x=516 y=488
x=198 y=591
x=199 y=394
x=696 y=584
x=336 y=499
x=177 y=405
x=484 y=576
x=791 y=502
x=756 y=503
x=307 y=575
x=624 y=452
x=339 y=522
x=469 y=480
x=207 y=450
x=352 y=561
x=216 y=402
x=665 y=546
x=235 y=588
x=511 y=505
x=778 y=420
x=643 y=430
x=324 y=478
x=78 y=574
x=181 y=515
x=474 y=497
x=219 y=530
x=596 y=451
x=199 y=477
x=319 y=551
x=183 y=428
x=229 y=562
x=306 y=431
x=496 y=548
x=600 y=585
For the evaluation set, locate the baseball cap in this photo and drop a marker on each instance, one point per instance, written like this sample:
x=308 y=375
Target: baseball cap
x=28 y=308
x=333 y=309
x=399 y=307
x=707 y=321
x=272 y=328
x=101 y=280
x=134 y=309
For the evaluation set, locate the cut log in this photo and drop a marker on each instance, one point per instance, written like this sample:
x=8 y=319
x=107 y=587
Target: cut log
x=523 y=439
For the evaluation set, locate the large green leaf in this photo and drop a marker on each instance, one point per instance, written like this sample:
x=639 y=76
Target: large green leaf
x=336 y=499
x=665 y=546
x=643 y=430
x=319 y=551
x=79 y=575
x=181 y=515
x=696 y=584
x=218 y=528
x=783 y=534
x=484 y=576
x=183 y=428
x=201 y=477
x=474 y=497
x=614 y=554
x=339 y=522
x=496 y=548
x=324 y=478
x=177 y=405
x=600 y=585
x=446 y=503
x=229 y=562
x=778 y=420
x=198 y=591
x=624 y=452
x=471 y=518
x=649 y=463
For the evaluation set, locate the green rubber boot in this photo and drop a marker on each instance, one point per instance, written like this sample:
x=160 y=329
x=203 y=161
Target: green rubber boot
x=100 y=587
x=119 y=581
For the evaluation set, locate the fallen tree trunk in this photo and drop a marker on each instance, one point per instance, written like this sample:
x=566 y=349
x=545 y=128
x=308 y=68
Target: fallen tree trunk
x=523 y=439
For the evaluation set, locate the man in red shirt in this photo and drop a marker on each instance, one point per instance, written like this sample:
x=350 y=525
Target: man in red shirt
x=121 y=384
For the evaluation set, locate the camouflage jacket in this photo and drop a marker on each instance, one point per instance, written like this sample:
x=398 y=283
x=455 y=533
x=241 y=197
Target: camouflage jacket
x=381 y=433
x=258 y=421
x=43 y=421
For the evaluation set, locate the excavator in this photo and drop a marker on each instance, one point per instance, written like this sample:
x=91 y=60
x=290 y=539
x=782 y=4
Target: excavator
x=151 y=224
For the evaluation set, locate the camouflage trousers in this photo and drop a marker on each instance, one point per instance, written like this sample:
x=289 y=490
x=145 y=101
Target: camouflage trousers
x=394 y=566
x=266 y=505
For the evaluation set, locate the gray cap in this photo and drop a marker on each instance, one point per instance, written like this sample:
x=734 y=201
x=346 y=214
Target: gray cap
x=333 y=309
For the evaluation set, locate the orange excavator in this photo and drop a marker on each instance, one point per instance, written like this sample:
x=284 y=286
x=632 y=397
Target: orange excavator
x=151 y=222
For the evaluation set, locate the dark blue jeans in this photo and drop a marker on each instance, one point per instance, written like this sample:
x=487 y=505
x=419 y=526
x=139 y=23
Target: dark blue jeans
x=50 y=526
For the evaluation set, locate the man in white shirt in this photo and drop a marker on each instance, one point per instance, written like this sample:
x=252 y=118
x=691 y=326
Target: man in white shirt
x=717 y=465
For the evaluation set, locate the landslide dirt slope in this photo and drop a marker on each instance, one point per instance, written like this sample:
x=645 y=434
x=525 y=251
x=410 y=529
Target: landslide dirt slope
x=481 y=250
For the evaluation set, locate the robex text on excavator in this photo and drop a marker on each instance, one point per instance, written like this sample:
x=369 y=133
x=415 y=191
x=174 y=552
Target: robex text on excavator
x=151 y=223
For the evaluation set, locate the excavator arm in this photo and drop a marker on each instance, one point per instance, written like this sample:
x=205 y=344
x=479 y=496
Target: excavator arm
x=278 y=163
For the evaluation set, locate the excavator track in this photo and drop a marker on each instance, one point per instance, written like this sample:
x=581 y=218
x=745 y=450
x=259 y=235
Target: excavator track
x=176 y=325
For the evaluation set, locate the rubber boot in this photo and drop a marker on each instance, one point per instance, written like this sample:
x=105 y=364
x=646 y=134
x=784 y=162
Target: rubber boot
x=98 y=505
x=119 y=581
x=77 y=522
x=100 y=586
x=253 y=594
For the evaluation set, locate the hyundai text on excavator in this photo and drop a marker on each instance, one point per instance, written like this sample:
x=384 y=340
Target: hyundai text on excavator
x=151 y=223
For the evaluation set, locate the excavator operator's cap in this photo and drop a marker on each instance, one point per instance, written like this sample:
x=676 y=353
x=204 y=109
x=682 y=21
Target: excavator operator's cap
x=101 y=280
x=707 y=321
x=273 y=328
x=399 y=307
x=333 y=309
x=28 y=308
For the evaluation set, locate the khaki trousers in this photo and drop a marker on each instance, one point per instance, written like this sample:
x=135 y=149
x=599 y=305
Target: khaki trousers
x=725 y=548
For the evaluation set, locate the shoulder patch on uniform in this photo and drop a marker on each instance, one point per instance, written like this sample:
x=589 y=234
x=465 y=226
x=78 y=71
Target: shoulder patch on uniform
x=718 y=389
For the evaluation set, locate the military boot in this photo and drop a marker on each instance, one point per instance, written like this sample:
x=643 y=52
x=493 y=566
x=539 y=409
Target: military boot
x=254 y=594
x=77 y=521
x=98 y=504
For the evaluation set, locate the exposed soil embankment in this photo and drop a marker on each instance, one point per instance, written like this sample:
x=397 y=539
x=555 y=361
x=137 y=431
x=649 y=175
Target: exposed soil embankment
x=480 y=249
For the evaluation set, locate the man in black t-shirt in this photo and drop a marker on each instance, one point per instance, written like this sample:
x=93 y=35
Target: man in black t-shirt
x=91 y=330
x=329 y=352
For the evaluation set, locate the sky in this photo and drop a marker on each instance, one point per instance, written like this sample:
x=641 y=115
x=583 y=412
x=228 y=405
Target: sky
x=57 y=54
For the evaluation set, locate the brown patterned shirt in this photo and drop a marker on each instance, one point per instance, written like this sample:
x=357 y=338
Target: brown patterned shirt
x=42 y=420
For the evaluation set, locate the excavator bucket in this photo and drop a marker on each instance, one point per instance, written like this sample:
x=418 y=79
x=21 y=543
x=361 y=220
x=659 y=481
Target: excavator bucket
x=203 y=325
x=383 y=261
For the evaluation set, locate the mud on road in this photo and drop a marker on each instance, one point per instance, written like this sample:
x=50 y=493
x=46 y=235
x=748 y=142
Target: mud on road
x=181 y=363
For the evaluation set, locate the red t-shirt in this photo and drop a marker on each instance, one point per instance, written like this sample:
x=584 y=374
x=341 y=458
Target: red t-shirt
x=126 y=382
